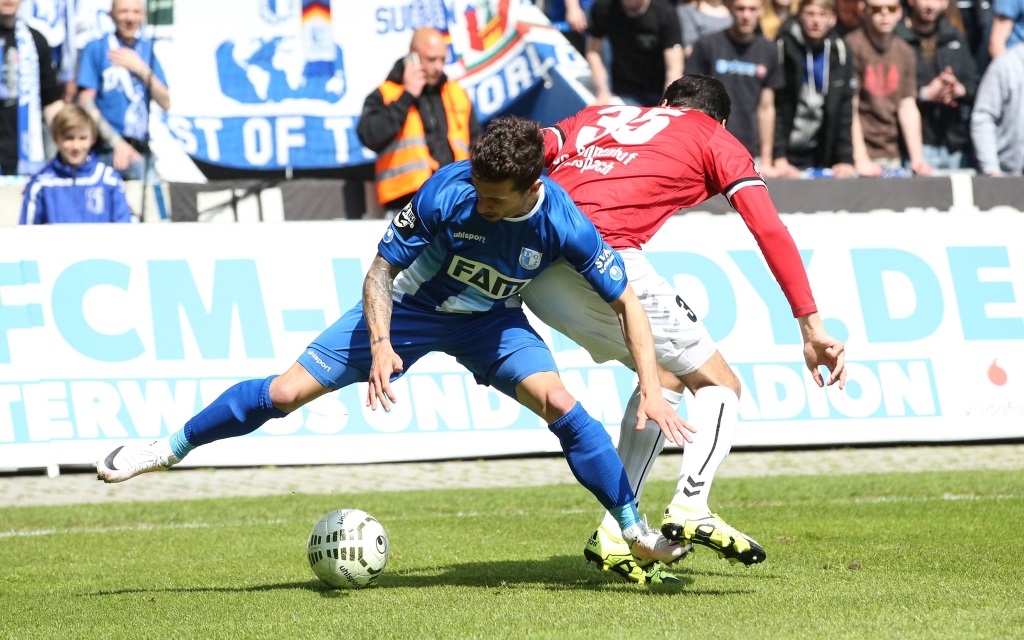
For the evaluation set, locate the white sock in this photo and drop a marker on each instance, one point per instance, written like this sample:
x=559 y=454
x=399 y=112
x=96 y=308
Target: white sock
x=639 y=449
x=713 y=414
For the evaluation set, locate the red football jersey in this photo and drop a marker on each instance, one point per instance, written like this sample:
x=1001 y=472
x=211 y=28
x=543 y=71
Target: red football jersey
x=631 y=168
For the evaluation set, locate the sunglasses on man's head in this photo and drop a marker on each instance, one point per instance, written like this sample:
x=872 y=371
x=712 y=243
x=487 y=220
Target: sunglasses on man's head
x=888 y=8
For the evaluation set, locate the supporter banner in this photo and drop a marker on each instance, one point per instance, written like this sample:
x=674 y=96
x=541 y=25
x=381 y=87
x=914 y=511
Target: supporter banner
x=99 y=346
x=284 y=86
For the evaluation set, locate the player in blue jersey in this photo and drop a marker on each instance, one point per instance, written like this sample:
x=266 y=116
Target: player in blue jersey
x=446 y=278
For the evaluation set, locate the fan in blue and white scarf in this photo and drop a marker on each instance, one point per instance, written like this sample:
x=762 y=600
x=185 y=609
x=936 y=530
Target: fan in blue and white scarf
x=55 y=20
x=31 y=156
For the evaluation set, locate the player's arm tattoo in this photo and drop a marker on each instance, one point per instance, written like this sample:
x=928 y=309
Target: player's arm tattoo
x=377 y=305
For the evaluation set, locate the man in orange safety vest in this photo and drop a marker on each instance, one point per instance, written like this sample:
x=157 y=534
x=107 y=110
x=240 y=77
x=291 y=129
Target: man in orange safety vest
x=416 y=121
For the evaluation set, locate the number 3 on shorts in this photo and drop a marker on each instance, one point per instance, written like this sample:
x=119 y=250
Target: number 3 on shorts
x=689 y=312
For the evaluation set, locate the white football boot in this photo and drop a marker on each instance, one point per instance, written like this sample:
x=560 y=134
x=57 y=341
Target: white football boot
x=648 y=544
x=128 y=461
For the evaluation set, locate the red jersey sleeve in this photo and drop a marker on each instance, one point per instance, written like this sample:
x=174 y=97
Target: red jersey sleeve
x=554 y=139
x=776 y=243
x=731 y=171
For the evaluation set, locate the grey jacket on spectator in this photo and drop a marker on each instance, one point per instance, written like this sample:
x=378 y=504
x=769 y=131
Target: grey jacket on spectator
x=834 y=141
x=997 y=123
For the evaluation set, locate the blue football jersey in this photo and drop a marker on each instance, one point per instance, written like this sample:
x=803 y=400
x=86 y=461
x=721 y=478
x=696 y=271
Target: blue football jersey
x=456 y=261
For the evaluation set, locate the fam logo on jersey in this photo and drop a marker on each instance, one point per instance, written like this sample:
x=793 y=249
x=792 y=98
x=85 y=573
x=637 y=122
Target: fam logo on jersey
x=485 y=278
x=94 y=200
x=530 y=259
x=405 y=222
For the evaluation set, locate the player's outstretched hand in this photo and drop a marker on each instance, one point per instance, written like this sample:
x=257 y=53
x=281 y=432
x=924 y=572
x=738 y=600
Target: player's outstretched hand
x=385 y=362
x=821 y=349
x=658 y=409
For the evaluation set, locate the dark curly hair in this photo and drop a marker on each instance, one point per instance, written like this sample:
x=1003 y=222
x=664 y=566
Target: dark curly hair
x=512 y=148
x=700 y=93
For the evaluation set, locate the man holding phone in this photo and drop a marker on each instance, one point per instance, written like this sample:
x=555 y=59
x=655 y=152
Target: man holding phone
x=416 y=121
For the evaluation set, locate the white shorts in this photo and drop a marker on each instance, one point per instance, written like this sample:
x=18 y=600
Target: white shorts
x=565 y=301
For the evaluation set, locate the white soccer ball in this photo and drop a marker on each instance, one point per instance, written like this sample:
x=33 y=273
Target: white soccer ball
x=347 y=549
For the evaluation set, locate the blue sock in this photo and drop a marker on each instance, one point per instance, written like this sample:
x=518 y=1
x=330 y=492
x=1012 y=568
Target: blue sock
x=240 y=410
x=592 y=458
x=627 y=515
x=180 y=446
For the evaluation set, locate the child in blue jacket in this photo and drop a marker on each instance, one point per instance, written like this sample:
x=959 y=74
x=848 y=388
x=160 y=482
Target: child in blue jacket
x=75 y=186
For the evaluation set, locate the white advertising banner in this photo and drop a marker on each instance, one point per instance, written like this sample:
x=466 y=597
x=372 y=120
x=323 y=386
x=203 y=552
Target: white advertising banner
x=111 y=333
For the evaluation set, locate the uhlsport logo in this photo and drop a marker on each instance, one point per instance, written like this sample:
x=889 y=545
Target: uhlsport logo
x=316 y=359
x=530 y=259
x=465 y=235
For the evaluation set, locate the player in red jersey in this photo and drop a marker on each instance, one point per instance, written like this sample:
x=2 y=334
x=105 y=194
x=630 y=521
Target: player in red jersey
x=630 y=169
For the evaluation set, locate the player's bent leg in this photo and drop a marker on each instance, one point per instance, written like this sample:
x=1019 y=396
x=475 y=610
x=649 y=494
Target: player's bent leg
x=295 y=388
x=544 y=394
x=637 y=450
x=714 y=372
x=528 y=374
x=241 y=409
x=563 y=300
x=714 y=413
x=683 y=351
x=587 y=446
x=682 y=345
x=594 y=462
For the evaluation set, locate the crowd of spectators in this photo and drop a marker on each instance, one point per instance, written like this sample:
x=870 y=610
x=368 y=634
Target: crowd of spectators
x=836 y=88
x=76 y=72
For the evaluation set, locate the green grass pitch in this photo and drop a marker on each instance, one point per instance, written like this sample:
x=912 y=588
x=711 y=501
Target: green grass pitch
x=926 y=555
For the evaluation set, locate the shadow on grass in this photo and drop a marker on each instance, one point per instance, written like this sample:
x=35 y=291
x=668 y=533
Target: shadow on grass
x=557 y=573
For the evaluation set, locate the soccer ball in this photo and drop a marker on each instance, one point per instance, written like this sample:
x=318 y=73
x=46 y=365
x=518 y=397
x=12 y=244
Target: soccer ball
x=347 y=549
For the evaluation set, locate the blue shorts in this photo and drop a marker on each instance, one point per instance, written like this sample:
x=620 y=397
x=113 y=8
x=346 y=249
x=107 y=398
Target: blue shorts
x=499 y=347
